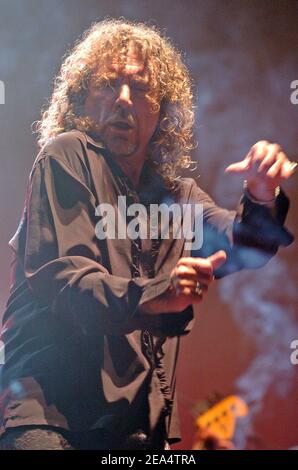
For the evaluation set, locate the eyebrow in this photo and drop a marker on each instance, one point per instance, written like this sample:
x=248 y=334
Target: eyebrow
x=140 y=79
x=137 y=77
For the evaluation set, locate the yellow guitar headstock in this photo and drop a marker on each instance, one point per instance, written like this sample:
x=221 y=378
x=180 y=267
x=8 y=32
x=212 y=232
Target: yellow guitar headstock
x=220 y=419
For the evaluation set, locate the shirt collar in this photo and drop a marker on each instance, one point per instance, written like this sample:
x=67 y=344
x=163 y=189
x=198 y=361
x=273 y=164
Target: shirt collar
x=95 y=143
x=152 y=185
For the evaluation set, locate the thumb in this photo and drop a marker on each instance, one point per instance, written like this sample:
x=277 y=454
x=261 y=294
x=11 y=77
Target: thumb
x=217 y=259
x=238 y=167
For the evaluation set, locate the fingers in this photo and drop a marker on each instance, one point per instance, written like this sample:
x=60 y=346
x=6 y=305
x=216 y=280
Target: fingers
x=199 y=265
x=238 y=167
x=246 y=165
x=204 y=266
x=270 y=161
x=263 y=156
x=178 y=279
x=264 y=167
x=191 y=271
x=217 y=259
x=288 y=169
x=270 y=155
x=258 y=145
x=189 y=298
x=259 y=159
x=187 y=287
x=187 y=270
x=200 y=268
x=186 y=280
x=276 y=168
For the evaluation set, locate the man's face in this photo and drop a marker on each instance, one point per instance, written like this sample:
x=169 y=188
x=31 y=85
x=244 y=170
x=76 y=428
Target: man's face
x=120 y=109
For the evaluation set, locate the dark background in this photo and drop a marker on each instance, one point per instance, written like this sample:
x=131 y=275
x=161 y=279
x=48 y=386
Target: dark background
x=243 y=57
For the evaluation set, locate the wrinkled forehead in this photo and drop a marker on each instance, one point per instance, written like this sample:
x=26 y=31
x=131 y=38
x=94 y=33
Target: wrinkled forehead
x=130 y=59
x=132 y=64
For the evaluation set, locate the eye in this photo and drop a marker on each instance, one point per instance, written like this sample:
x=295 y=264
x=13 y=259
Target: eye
x=114 y=83
x=106 y=84
x=140 y=87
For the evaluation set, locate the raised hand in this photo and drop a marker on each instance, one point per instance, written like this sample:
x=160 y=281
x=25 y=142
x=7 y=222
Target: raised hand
x=264 y=168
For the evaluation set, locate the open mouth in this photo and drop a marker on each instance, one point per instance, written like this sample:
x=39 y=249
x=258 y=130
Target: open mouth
x=121 y=125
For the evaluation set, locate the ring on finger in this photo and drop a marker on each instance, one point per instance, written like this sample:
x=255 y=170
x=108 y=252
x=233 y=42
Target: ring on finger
x=199 y=288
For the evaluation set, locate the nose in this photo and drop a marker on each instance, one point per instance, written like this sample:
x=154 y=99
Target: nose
x=124 y=95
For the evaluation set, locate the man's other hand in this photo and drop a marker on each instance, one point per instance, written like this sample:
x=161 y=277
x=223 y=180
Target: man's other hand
x=264 y=168
x=190 y=280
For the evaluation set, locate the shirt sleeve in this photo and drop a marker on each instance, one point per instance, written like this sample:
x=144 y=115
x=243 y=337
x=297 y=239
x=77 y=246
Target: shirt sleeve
x=250 y=235
x=63 y=261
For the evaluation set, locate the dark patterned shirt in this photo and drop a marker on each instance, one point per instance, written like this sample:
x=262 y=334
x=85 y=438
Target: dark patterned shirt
x=79 y=352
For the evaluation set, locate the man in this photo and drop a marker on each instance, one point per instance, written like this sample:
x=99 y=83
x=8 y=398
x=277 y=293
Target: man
x=92 y=325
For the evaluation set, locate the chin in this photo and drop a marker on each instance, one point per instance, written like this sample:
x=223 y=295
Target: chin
x=122 y=150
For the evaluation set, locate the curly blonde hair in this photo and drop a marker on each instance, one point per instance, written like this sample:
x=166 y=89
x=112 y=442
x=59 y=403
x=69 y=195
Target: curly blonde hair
x=170 y=89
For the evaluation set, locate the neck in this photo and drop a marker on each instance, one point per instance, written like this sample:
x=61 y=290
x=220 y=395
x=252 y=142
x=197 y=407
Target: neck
x=132 y=167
